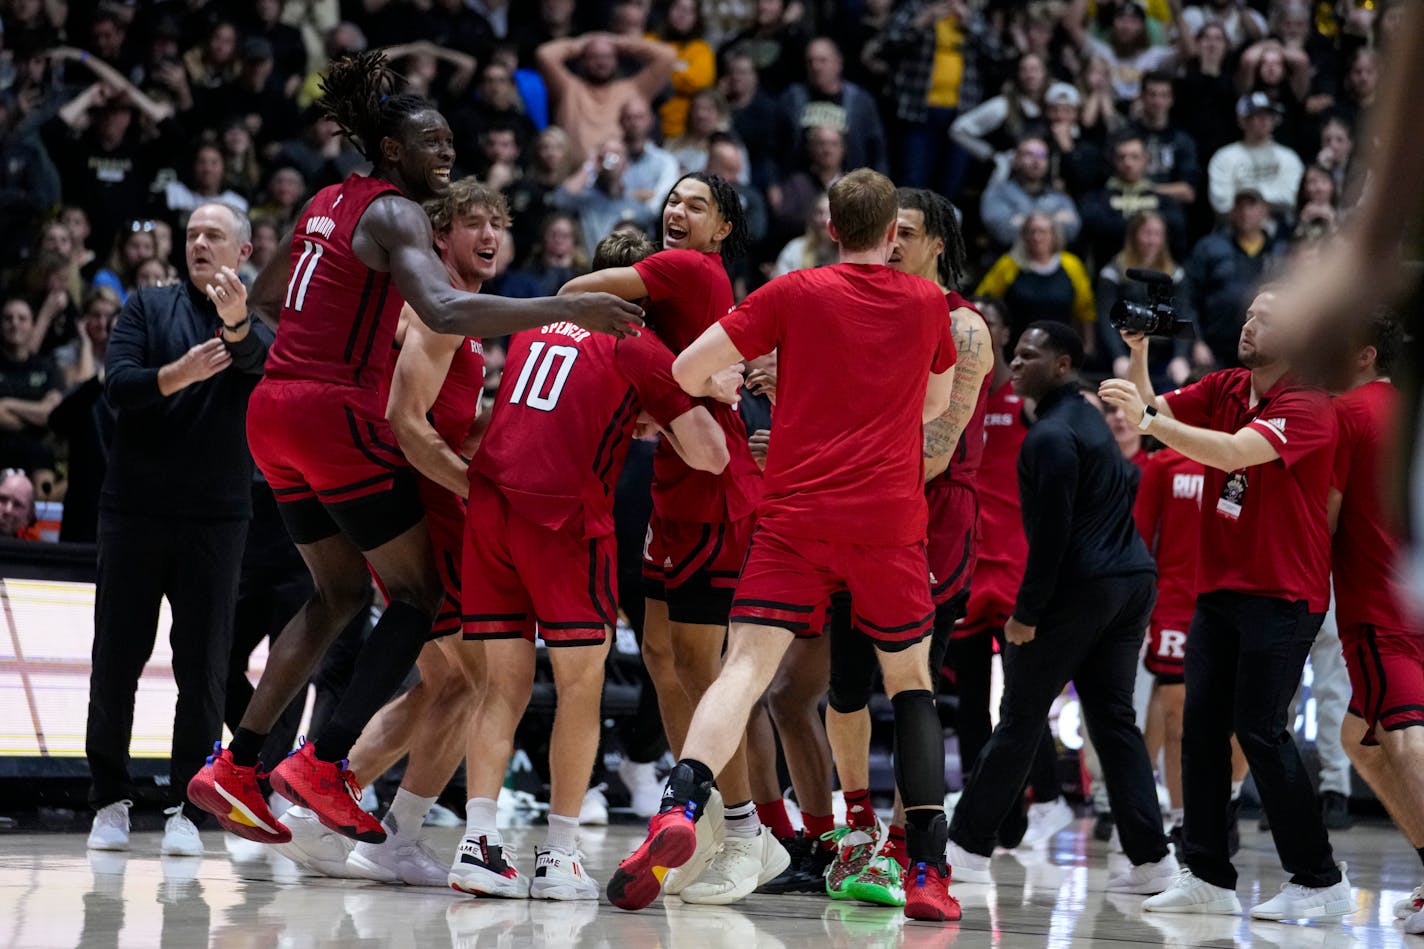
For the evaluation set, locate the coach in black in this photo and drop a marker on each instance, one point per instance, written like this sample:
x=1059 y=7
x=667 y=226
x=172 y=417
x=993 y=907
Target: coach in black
x=1088 y=589
x=173 y=513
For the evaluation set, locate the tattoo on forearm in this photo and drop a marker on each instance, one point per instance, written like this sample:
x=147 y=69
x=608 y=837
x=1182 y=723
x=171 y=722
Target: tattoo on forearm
x=942 y=434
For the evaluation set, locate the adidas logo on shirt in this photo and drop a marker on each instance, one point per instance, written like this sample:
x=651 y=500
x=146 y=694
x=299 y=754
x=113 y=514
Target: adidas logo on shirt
x=1278 y=425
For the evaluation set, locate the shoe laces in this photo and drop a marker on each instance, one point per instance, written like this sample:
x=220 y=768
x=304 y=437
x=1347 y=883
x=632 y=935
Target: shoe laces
x=115 y=814
x=348 y=778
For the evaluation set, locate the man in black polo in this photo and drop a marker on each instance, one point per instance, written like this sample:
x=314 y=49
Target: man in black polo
x=173 y=513
x=1087 y=593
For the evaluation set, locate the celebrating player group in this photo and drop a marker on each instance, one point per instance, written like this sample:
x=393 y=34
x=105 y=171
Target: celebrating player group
x=498 y=526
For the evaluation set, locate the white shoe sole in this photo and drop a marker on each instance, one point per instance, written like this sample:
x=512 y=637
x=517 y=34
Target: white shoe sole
x=107 y=846
x=962 y=874
x=167 y=849
x=489 y=884
x=1217 y=907
x=563 y=892
x=1340 y=907
x=359 y=867
x=1147 y=888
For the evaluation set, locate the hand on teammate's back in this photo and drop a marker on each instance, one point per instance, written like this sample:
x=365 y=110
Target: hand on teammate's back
x=727 y=384
x=602 y=313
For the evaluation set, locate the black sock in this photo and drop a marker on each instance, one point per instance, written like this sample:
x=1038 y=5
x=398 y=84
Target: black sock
x=690 y=781
x=383 y=663
x=926 y=835
x=246 y=745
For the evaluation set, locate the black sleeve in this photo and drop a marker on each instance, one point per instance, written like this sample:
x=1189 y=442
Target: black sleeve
x=1048 y=482
x=249 y=354
x=73 y=412
x=128 y=381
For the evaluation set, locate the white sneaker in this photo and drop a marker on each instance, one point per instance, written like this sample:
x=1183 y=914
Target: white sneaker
x=744 y=864
x=709 y=840
x=441 y=816
x=484 y=868
x=110 y=830
x=594 y=812
x=398 y=860
x=1190 y=894
x=1414 y=925
x=315 y=849
x=966 y=867
x=1308 y=902
x=1411 y=904
x=561 y=876
x=643 y=785
x=370 y=801
x=180 y=836
x=1045 y=820
x=1146 y=879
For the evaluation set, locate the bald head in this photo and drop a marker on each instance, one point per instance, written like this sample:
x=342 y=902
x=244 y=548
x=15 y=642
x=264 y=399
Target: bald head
x=600 y=60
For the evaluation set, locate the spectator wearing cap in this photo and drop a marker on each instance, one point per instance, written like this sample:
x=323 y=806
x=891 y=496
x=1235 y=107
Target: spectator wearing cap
x=1255 y=162
x=17 y=505
x=1128 y=192
x=827 y=99
x=1026 y=191
x=1172 y=162
x=1075 y=160
x=1266 y=67
x=1225 y=268
x=1128 y=48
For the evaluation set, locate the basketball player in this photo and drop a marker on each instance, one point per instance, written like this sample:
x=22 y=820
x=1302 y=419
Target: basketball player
x=1383 y=643
x=434 y=411
x=317 y=429
x=844 y=508
x=928 y=244
x=539 y=552
x=701 y=524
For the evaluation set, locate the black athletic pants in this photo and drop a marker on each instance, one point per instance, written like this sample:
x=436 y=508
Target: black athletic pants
x=141 y=561
x=1090 y=634
x=1245 y=655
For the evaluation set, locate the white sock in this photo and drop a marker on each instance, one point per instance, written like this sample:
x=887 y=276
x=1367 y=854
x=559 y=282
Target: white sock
x=1236 y=787
x=480 y=819
x=740 y=820
x=563 y=834
x=407 y=813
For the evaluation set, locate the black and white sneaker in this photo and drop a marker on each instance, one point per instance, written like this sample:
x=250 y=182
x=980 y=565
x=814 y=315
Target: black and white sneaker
x=482 y=868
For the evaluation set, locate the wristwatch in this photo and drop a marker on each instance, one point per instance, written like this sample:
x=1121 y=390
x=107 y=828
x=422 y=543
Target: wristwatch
x=1148 y=414
x=237 y=327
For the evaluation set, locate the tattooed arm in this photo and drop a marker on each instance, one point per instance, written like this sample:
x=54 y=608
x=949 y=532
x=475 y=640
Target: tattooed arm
x=976 y=360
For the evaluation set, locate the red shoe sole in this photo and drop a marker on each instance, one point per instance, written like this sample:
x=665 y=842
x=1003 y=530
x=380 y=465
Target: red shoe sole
x=637 y=882
x=209 y=798
x=284 y=787
x=933 y=912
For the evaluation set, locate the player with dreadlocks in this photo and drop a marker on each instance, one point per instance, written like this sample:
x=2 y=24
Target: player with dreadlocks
x=700 y=527
x=316 y=427
x=872 y=858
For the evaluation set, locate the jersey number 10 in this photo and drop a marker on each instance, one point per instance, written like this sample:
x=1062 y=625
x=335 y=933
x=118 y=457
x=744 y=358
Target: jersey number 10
x=544 y=356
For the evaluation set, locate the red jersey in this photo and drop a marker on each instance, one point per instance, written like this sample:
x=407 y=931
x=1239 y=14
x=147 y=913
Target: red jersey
x=339 y=316
x=1264 y=529
x=453 y=414
x=1168 y=515
x=1000 y=515
x=847 y=462
x=1368 y=585
x=563 y=419
x=688 y=291
x=964 y=464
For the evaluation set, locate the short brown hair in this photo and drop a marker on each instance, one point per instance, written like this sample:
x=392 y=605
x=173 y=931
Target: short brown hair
x=464 y=196
x=624 y=247
x=863 y=206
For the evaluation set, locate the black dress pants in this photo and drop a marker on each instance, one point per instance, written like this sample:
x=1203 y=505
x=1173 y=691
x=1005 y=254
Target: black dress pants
x=1244 y=659
x=141 y=561
x=1090 y=634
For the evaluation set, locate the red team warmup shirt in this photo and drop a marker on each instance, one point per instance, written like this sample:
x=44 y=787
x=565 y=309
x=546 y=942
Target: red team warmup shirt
x=339 y=316
x=846 y=464
x=1264 y=530
x=1368 y=586
x=1168 y=515
x=688 y=291
x=564 y=418
x=999 y=569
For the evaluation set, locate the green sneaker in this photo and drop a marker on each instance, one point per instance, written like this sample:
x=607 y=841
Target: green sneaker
x=881 y=883
x=855 y=847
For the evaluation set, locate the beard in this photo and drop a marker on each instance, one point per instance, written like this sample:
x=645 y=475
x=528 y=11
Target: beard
x=1253 y=358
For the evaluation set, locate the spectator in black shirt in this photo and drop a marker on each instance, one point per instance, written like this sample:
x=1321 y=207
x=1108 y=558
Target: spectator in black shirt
x=776 y=46
x=1129 y=191
x=28 y=184
x=85 y=421
x=257 y=95
x=1172 y=161
x=755 y=117
x=289 y=53
x=1087 y=593
x=30 y=388
x=173 y=513
x=826 y=99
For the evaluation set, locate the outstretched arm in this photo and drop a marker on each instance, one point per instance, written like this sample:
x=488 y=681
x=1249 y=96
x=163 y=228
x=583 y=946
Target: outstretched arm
x=623 y=282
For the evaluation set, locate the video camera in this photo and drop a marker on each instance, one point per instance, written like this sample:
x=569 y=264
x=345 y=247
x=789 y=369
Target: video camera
x=1158 y=316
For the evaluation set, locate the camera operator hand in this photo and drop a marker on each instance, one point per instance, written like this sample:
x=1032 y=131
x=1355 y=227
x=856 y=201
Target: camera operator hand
x=1122 y=394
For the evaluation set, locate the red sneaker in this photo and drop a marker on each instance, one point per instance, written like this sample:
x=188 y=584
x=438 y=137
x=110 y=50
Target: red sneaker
x=230 y=793
x=927 y=895
x=670 y=843
x=329 y=791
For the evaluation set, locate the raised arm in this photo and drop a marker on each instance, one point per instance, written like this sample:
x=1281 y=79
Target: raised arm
x=975 y=361
x=420 y=371
x=553 y=58
x=115 y=79
x=657 y=58
x=395 y=234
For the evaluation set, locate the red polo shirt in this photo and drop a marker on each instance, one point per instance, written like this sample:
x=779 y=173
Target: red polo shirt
x=1264 y=529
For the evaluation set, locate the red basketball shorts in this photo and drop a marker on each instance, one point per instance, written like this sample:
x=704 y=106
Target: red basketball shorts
x=317 y=440
x=991 y=598
x=518 y=575
x=1166 y=650
x=445 y=516
x=694 y=567
x=787 y=582
x=1386 y=676
x=953 y=542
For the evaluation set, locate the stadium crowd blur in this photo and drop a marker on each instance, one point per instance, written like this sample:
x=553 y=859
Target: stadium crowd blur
x=1078 y=139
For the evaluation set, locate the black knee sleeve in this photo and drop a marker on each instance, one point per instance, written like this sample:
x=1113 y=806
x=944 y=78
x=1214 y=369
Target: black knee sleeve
x=919 y=749
x=853 y=661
